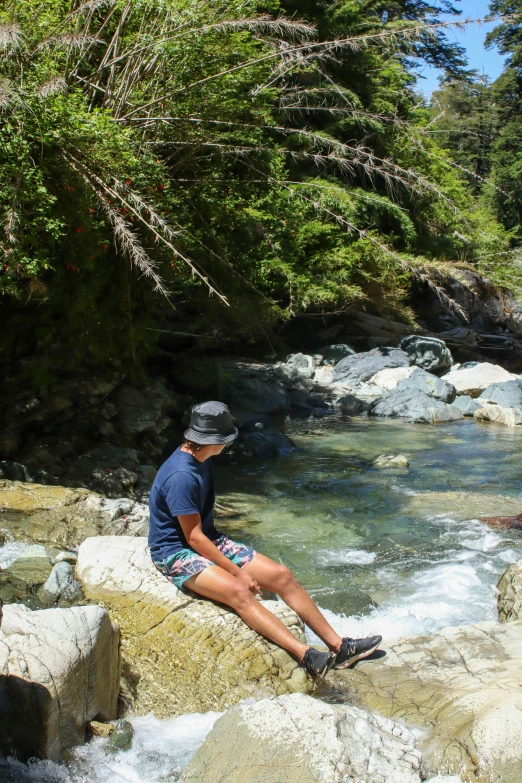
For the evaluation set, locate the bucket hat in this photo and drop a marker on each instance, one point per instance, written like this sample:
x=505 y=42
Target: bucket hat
x=211 y=423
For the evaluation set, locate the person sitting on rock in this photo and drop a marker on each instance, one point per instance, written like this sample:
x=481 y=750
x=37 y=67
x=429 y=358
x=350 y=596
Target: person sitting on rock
x=187 y=549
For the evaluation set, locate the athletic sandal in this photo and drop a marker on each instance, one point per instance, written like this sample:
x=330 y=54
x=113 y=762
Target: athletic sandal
x=353 y=650
x=317 y=663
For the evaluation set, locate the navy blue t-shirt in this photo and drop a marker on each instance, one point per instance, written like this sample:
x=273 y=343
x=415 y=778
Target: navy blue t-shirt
x=183 y=485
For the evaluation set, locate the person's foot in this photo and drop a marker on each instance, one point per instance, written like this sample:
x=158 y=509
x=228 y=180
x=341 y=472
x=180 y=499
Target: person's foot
x=317 y=663
x=353 y=650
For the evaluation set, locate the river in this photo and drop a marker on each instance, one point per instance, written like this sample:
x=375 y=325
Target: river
x=389 y=551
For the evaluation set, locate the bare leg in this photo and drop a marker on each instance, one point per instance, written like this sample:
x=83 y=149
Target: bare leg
x=215 y=583
x=279 y=579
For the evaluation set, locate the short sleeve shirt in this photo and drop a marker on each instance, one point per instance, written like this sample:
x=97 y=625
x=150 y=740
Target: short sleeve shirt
x=183 y=485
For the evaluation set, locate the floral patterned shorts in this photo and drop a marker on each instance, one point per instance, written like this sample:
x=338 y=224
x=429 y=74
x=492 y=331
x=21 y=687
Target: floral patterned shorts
x=186 y=563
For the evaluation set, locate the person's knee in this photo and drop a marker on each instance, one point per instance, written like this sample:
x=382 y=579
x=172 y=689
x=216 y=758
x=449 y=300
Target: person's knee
x=239 y=595
x=282 y=578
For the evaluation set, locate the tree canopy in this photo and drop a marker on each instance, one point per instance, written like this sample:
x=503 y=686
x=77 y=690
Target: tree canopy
x=237 y=161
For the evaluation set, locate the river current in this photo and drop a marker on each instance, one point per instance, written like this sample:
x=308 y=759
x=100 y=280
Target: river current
x=389 y=551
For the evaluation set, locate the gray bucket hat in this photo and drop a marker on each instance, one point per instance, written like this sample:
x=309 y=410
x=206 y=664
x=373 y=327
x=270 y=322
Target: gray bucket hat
x=211 y=423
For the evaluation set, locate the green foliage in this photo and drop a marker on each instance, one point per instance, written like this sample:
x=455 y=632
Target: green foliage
x=246 y=165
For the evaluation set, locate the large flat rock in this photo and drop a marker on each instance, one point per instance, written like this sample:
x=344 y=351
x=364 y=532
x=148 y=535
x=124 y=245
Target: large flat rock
x=59 y=669
x=181 y=653
x=464 y=685
x=297 y=739
x=62 y=517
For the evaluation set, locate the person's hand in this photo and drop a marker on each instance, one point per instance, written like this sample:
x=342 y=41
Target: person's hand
x=250 y=583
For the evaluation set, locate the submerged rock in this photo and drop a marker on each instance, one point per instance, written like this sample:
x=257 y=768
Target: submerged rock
x=509 y=599
x=474 y=380
x=181 y=653
x=361 y=367
x=391 y=461
x=464 y=685
x=298 y=739
x=429 y=353
x=59 y=669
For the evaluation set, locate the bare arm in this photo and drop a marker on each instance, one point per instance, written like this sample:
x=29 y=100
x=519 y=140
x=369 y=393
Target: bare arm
x=197 y=540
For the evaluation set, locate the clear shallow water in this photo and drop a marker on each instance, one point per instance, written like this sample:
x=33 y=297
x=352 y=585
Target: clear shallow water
x=397 y=552
x=391 y=551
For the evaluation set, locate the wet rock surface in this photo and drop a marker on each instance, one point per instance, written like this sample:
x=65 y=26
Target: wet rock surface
x=509 y=598
x=302 y=740
x=59 y=669
x=199 y=653
x=464 y=685
x=415 y=405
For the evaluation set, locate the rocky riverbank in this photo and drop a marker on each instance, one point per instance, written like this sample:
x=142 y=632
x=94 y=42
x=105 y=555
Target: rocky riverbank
x=458 y=689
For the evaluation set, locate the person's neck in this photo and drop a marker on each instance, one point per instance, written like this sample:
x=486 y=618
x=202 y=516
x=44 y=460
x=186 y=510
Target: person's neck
x=201 y=454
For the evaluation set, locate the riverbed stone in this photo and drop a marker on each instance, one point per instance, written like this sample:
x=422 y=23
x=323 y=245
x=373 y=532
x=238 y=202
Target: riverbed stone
x=388 y=379
x=429 y=353
x=350 y=405
x=463 y=685
x=63 y=518
x=414 y=405
x=474 y=380
x=509 y=417
x=181 y=653
x=429 y=384
x=61 y=586
x=467 y=404
x=508 y=394
x=20 y=580
x=298 y=739
x=59 y=669
x=361 y=367
x=121 y=737
x=509 y=598
x=391 y=461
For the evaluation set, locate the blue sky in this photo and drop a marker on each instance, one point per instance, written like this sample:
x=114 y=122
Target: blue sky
x=484 y=60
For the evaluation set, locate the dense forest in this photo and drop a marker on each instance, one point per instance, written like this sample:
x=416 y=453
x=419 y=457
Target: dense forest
x=229 y=165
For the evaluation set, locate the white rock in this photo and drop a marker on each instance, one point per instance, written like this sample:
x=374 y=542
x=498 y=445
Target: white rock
x=389 y=378
x=298 y=739
x=473 y=380
x=63 y=670
x=204 y=656
x=66 y=557
x=509 y=417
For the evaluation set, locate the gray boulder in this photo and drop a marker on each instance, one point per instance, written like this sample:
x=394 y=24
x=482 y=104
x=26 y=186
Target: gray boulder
x=333 y=354
x=59 y=669
x=258 y=440
x=298 y=739
x=429 y=353
x=467 y=404
x=352 y=406
x=60 y=586
x=429 y=384
x=508 y=394
x=301 y=364
x=361 y=367
x=414 y=405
